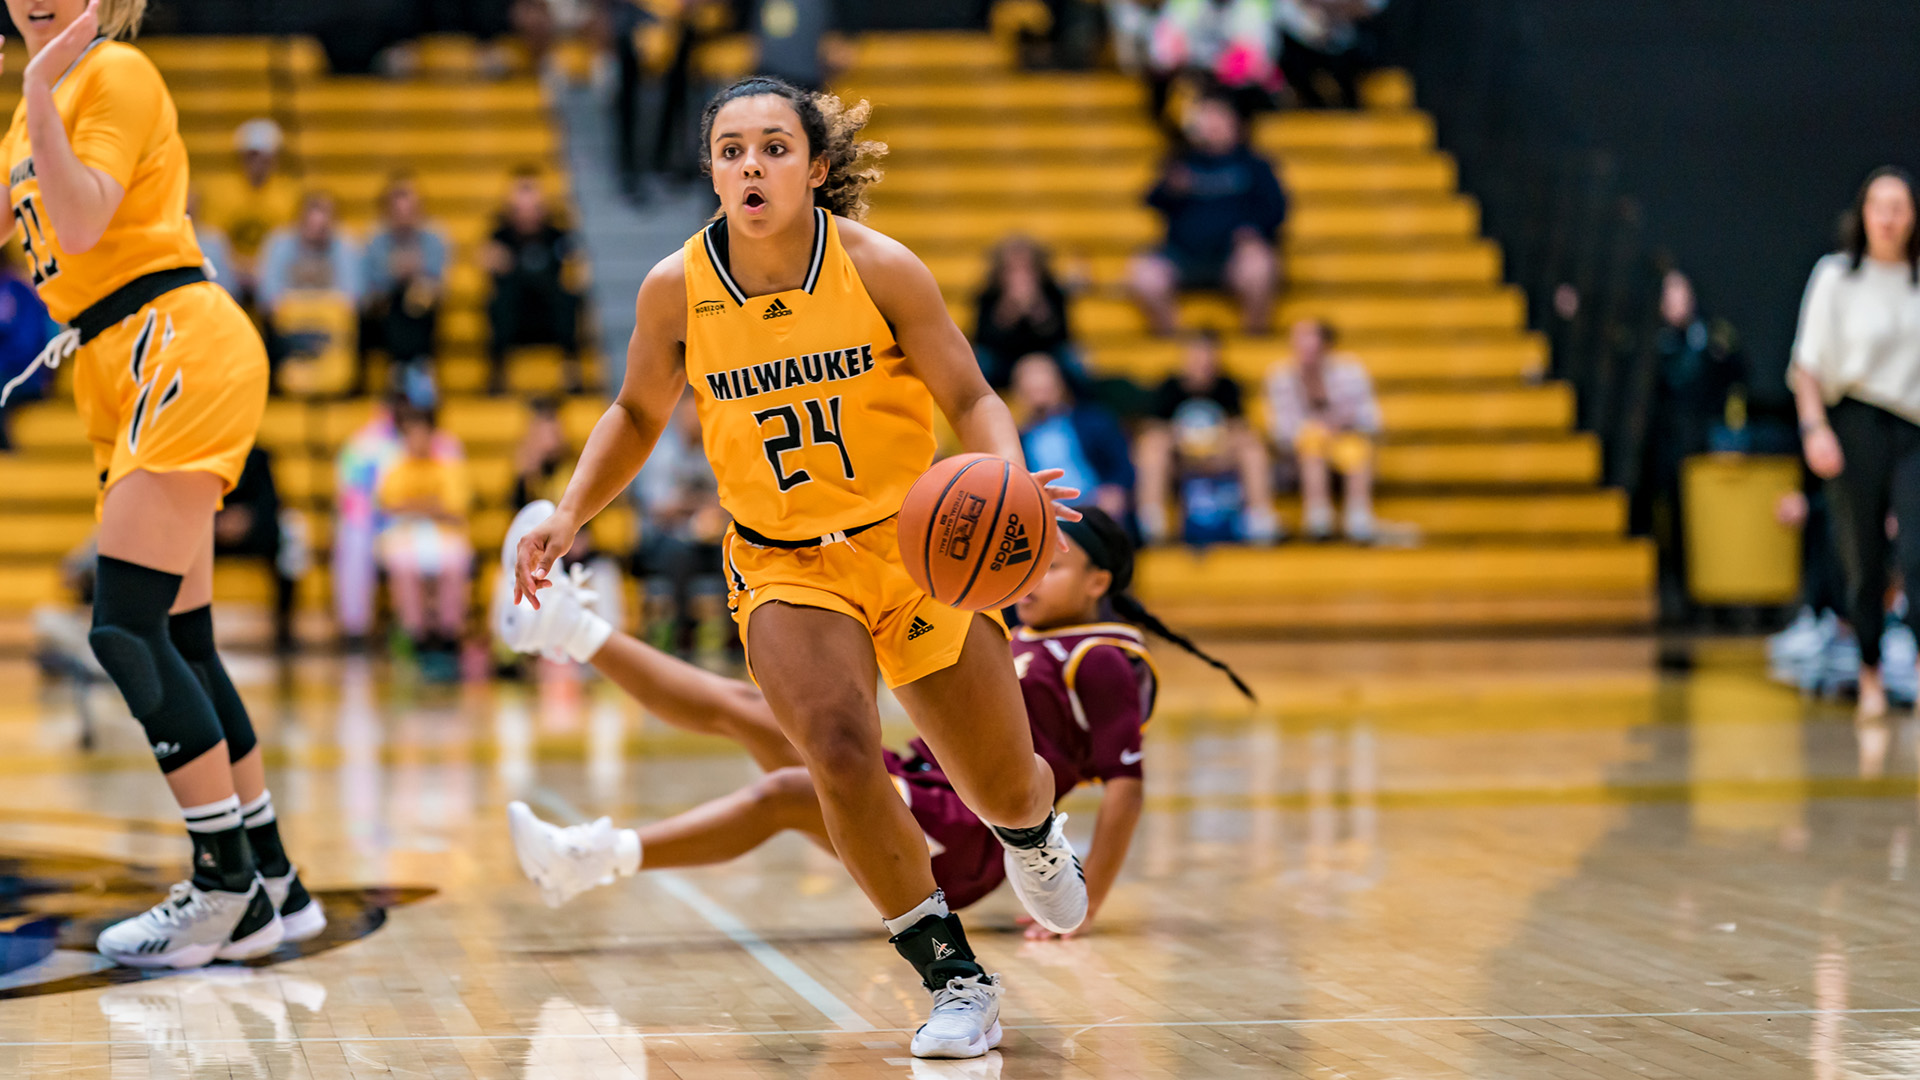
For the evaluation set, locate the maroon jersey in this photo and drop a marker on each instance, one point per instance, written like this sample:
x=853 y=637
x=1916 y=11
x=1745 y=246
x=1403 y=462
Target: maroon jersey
x=1089 y=691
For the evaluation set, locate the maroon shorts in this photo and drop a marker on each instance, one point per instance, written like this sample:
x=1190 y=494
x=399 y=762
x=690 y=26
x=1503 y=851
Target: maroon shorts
x=966 y=855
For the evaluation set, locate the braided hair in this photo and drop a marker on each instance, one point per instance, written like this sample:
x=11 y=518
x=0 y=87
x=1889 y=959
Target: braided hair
x=832 y=128
x=1109 y=548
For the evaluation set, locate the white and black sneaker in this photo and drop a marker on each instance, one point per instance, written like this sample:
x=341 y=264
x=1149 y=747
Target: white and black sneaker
x=302 y=914
x=965 y=1022
x=566 y=862
x=193 y=927
x=1048 y=880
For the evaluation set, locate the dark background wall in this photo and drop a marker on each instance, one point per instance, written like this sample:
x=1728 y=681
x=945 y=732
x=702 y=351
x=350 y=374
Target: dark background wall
x=1739 y=128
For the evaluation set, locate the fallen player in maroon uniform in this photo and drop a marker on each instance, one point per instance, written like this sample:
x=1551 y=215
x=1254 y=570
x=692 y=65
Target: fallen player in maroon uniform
x=1084 y=672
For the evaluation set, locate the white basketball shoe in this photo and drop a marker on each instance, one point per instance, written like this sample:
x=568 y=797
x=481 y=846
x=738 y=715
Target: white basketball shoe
x=965 y=1022
x=567 y=862
x=1048 y=880
x=193 y=927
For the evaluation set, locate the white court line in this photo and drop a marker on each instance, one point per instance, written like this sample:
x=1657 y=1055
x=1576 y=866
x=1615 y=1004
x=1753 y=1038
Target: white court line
x=843 y=1015
x=1078 y=1026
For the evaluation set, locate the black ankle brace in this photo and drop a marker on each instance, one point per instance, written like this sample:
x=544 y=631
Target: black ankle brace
x=1026 y=838
x=937 y=948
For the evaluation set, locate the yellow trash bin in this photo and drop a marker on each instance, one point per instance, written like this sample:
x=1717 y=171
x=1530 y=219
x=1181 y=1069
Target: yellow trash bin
x=1737 y=551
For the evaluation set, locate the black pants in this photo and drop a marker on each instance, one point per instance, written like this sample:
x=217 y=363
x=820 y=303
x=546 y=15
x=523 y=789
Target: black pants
x=388 y=325
x=530 y=309
x=1300 y=63
x=1882 y=475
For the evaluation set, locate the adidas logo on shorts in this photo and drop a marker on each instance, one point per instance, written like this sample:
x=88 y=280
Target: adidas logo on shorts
x=1015 y=548
x=920 y=626
x=776 y=309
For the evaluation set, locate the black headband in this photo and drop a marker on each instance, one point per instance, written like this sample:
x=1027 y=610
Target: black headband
x=1089 y=540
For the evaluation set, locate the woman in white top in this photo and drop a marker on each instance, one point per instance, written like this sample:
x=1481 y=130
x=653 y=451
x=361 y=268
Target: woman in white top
x=1856 y=381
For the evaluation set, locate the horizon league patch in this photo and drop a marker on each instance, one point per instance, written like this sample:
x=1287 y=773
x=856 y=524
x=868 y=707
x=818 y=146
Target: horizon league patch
x=53 y=907
x=709 y=307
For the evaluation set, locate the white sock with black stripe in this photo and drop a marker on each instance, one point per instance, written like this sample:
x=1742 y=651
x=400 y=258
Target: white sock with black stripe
x=263 y=833
x=214 y=816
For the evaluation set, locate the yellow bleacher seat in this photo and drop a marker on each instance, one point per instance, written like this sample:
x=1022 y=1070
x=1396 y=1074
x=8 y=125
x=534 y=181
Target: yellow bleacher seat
x=322 y=330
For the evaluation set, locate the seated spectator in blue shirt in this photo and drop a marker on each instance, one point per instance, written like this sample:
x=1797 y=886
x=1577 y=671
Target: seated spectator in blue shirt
x=1083 y=439
x=312 y=254
x=404 y=275
x=1223 y=207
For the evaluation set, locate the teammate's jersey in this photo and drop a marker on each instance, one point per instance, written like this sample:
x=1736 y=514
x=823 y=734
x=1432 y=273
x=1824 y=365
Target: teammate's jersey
x=120 y=120
x=1089 y=692
x=811 y=417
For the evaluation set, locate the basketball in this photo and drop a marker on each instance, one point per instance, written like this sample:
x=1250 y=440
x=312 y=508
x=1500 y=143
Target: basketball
x=976 y=532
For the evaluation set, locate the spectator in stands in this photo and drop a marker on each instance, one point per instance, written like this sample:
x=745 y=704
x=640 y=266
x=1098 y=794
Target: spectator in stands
x=216 y=253
x=424 y=544
x=250 y=205
x=249 y=524
x=792 y=35
x=1325 y=46
x=25 y=328
x=1325 y=417
x=1197 y=445
x=1223 y=207
x=1698 y=372
x=678 y=560
x=404 y=277
x=314 y=254
x=1082 y=438
x=1022 y=309
x=1855 y=374
x=531 y=256
x=543 y=462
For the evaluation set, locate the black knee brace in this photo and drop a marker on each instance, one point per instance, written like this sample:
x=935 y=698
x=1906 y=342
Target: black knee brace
x=192 y=634
x=129 y=638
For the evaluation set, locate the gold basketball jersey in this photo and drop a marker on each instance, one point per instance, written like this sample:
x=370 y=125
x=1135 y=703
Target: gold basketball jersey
x=811 y=417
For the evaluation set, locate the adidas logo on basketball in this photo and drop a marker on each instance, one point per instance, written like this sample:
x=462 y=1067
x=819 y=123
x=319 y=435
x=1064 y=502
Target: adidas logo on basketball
x=1014 y=546
x=776 y=309
x=920 y=626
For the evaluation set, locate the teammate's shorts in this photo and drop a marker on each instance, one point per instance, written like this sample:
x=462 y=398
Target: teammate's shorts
x=861 y=577
x=967 y=858
x=178 y=386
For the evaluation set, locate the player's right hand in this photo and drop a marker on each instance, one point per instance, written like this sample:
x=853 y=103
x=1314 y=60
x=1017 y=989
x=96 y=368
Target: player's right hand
x=538 y=550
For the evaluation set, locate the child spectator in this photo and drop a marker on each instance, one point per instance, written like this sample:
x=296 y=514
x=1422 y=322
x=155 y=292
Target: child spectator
x=404 y=277
x=1324 y=414
x=678 y=558
x=424 y=542
x=249 y=206
x=1083 y=439
x=1022 y=309
x=1223 y=206
x=530 y=255
x=1197 y=443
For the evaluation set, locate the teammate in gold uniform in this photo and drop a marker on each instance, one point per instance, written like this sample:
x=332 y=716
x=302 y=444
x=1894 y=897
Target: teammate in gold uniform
x=170 y=380
x=817 y=350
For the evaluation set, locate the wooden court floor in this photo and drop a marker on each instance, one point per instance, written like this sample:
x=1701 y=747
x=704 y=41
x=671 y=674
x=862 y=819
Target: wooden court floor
x=1544 y=859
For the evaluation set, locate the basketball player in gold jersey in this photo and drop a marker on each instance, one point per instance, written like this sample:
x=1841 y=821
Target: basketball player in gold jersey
x=817 y=349
x=170 y=380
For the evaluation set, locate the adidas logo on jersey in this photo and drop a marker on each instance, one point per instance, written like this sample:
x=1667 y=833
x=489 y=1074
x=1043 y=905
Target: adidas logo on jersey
x=709 y=307
x=1015 y=548
x=920 y=626
x=776 y=309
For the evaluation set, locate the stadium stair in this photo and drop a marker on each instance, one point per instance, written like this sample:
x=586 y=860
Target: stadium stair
x=1480 y=457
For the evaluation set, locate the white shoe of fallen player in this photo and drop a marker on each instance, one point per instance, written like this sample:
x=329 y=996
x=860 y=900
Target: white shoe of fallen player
x=965 y=1022
x=565 y=862
x=1048 y=880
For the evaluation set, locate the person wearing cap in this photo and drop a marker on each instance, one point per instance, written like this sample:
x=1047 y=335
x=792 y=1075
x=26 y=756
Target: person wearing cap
x=250 y=204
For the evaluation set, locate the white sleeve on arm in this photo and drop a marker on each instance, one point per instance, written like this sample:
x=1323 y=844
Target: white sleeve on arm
x=1813 y=342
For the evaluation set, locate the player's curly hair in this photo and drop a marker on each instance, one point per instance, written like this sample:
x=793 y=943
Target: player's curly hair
x=121 y=18
x=832 y=128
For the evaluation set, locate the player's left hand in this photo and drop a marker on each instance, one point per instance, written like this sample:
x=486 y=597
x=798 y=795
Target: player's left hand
x=60 y=53
x=1059 y=497
x=1036 y=932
